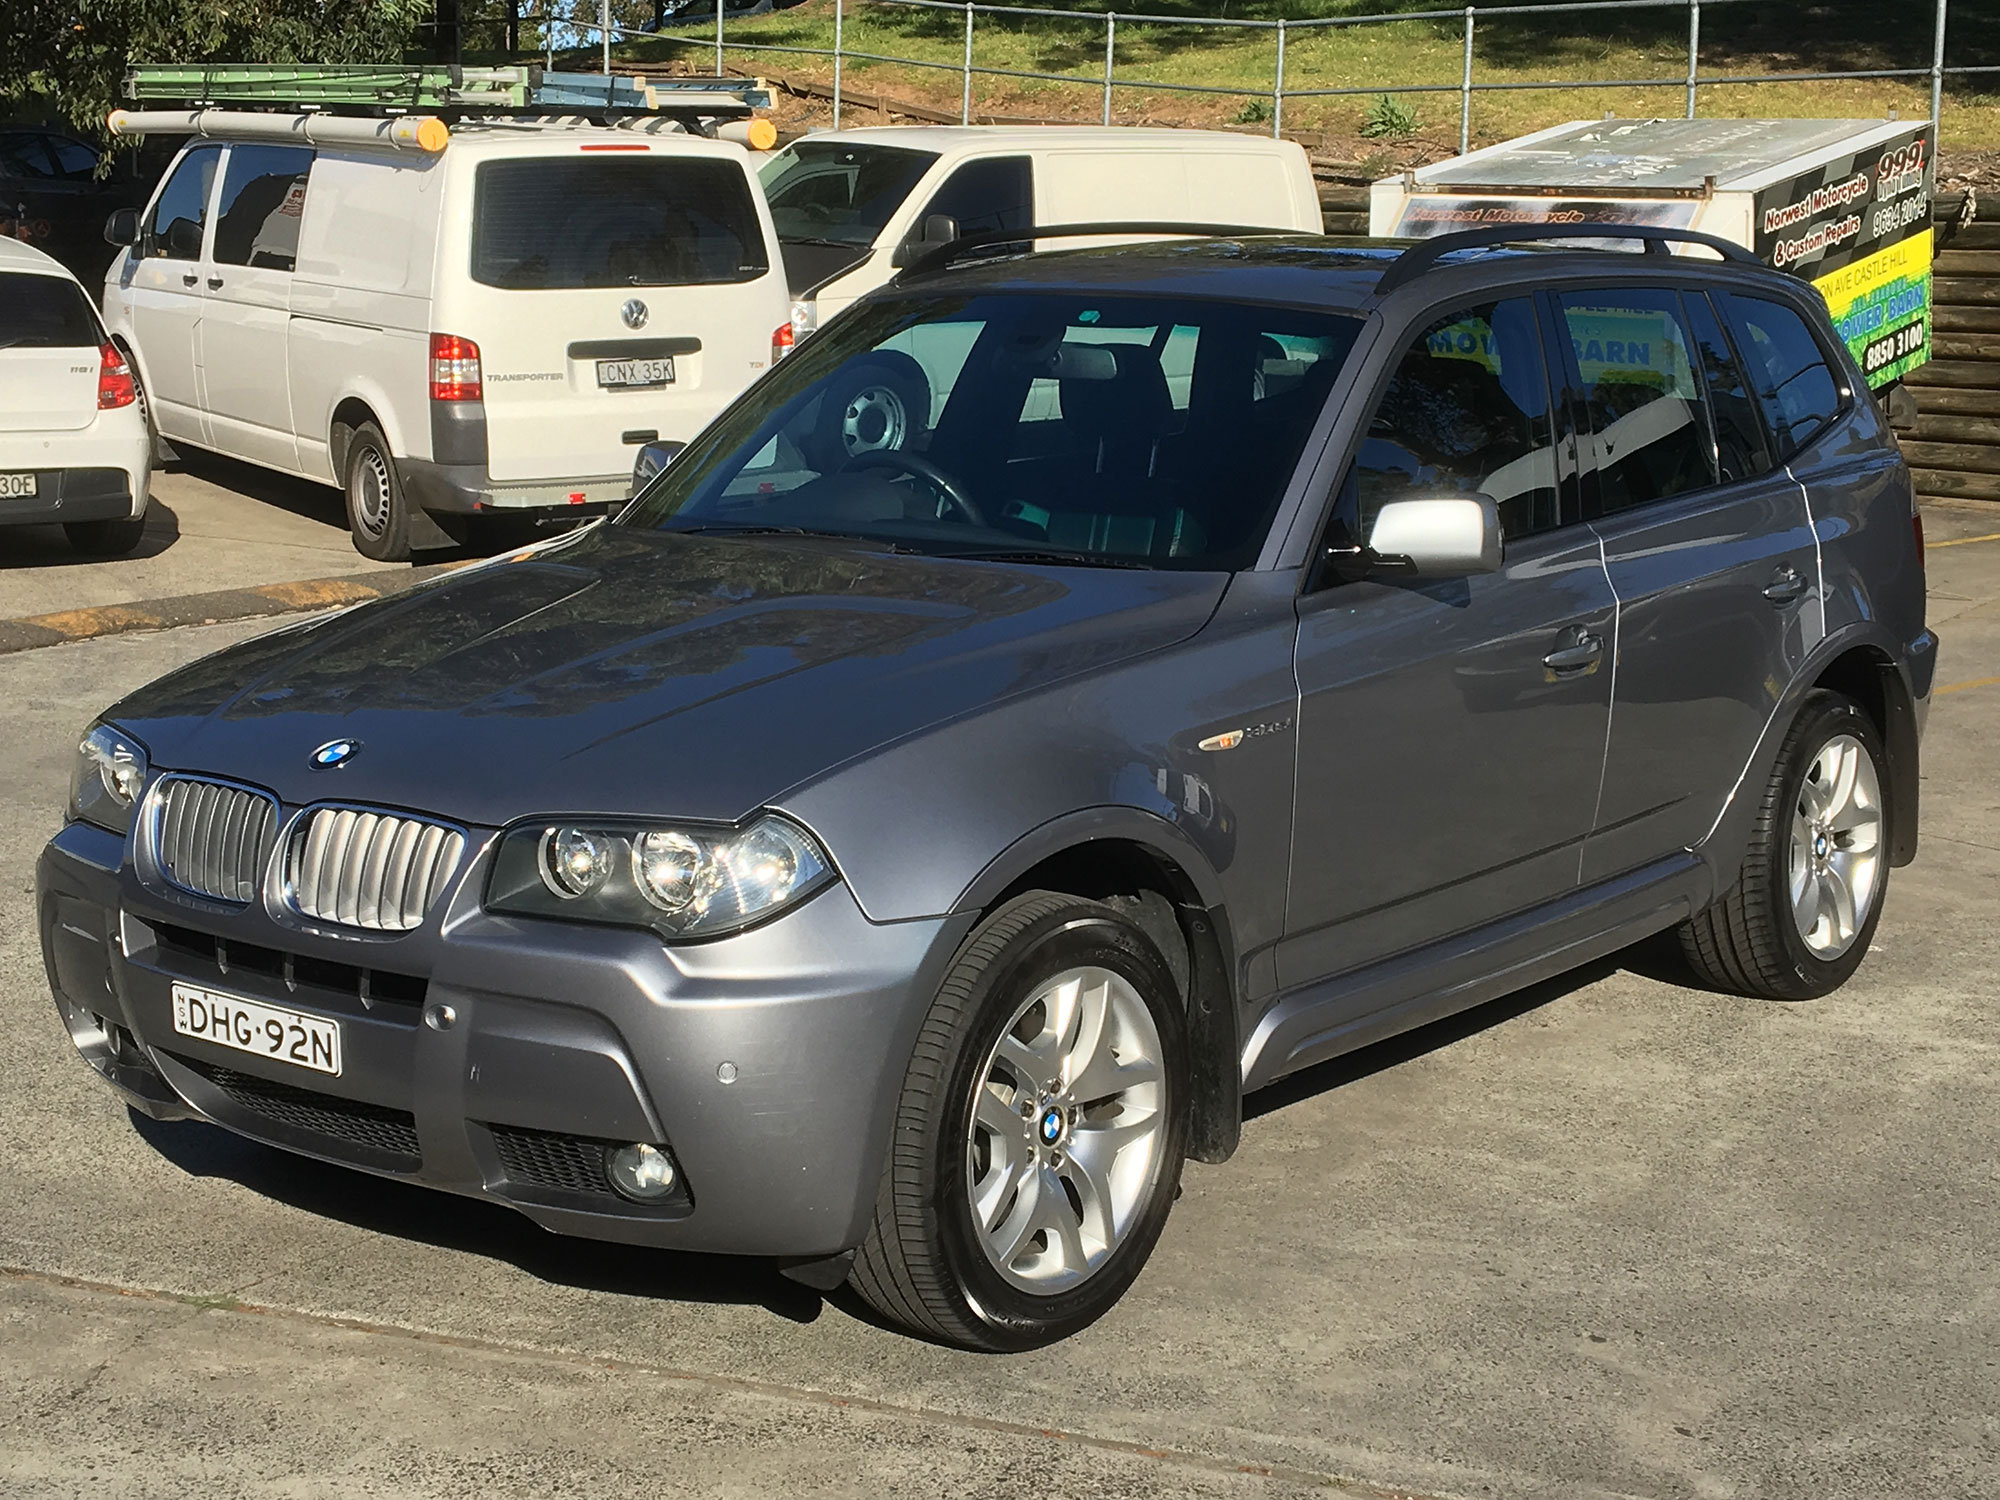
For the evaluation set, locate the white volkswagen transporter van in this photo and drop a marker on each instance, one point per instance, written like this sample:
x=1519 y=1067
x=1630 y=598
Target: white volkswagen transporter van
x=851 y=206
x=493 y=323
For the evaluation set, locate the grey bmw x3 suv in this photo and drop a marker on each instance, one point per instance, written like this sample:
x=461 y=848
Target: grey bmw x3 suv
x=1070 y=693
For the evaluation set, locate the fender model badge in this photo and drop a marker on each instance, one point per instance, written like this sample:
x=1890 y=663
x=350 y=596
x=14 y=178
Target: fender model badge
x=335 y=753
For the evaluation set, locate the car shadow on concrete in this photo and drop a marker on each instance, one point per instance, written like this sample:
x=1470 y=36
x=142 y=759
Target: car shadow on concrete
x=48 y=547
x=305 y=498
x=426 y=1216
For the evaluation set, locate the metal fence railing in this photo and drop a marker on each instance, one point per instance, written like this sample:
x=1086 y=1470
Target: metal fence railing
x=1692 y=80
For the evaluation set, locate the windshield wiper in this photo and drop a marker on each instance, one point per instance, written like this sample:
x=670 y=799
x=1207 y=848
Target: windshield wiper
x=1048 y=555
x=824 y=244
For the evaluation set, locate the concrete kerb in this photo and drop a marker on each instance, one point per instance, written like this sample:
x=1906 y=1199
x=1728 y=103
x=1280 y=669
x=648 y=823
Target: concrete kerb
x=212 y=608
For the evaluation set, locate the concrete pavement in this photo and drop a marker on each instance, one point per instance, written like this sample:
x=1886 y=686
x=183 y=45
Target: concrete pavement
x=1614 y=1237
x=213 y=524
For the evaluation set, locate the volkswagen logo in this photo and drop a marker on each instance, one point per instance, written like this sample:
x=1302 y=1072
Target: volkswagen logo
x=335 y=753
x=634 y=313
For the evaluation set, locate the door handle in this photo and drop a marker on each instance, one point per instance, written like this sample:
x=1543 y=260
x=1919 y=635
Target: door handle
x=189 y=279
x=1786 y=585
x=214 y=282
x=1579 y=649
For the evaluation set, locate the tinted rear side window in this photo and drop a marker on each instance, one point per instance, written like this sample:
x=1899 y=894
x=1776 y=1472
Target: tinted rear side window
x=44 y=312
x=1788 y=371
x=1645 y=399
x=542 y=223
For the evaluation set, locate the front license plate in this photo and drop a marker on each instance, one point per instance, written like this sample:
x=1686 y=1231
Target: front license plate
x=259 y=1029
x=20 y=486
x=612 y=372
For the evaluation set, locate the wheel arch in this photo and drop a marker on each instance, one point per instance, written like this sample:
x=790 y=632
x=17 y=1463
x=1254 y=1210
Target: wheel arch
x=348 y=414
x=1867 y=673
x=1162 y=883
x=1861 y=661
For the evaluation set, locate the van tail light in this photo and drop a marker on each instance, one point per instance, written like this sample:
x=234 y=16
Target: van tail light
x=782 y=341
x=454 y=368
x=115 y=385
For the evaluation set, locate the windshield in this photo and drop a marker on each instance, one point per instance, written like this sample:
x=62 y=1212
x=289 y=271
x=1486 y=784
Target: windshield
x=830 y=193
x=1110 y=431
x=542 y=222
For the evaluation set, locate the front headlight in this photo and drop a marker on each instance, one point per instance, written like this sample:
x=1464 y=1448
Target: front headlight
x=109 y=776
x=682 y=881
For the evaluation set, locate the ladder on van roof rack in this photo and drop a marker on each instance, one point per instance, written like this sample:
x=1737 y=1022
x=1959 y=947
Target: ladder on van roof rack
x=383 y=88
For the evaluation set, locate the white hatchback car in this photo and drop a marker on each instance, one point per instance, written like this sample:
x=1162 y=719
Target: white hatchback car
x=75 y=447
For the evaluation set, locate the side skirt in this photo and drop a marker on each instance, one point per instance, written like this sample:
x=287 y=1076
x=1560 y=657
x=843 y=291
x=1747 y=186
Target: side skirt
x=1314 y=1022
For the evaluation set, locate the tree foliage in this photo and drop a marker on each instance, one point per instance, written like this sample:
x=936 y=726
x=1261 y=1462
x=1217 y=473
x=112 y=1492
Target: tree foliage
x=72 y=54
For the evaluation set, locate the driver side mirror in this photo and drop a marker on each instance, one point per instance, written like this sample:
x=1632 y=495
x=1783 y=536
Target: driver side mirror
x=122 y=228
x=937 y=229
x=1449 y=536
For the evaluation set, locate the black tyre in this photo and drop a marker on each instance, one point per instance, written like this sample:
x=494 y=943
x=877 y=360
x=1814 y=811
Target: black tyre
x=378 y=513
x=1799 y=919
x=1016 y=1208
x=879 y=402
x=106 y=538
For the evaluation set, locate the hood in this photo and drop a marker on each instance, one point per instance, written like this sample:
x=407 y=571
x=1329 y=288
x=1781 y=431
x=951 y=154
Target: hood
x=648 y=673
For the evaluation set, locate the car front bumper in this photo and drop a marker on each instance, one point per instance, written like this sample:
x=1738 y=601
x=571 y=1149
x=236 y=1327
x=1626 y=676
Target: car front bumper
x=495 y=1056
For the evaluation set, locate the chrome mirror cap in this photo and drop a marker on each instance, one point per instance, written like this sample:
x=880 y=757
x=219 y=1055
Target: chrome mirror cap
x=1445 y=537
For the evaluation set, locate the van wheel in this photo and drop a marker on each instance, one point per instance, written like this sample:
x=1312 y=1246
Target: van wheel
x=1039 y=1134
x=377 y=513
x=879 y=403
x=1800 y=918
x=106 y=538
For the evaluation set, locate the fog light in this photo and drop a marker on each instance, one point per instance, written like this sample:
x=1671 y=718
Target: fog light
x=643 y=1173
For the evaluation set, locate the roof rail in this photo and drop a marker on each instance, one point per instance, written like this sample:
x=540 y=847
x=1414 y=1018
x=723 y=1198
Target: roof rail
x=942 y=256
x=1420 y=257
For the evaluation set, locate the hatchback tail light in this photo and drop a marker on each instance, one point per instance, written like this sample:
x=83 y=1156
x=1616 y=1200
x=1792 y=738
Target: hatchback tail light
x=115 y=385
x=782 y=341
x=454 y=368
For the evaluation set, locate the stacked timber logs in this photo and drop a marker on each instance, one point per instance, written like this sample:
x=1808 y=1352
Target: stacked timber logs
x=1955 y=449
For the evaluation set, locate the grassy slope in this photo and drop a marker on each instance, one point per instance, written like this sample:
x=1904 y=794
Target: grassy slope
x=1752 y=37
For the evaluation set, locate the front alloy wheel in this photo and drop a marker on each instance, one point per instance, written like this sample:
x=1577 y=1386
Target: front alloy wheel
x=1039 y=1134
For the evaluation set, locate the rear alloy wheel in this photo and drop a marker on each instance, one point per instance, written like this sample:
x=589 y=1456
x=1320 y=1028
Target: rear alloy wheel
x=378 y=516
x=1799 y=920
x=1040 y=1133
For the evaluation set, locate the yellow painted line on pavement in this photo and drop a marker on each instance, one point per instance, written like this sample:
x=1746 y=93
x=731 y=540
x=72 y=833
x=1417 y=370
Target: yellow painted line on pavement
x=210 y=608
x=1966 y=687
x=1962 y=541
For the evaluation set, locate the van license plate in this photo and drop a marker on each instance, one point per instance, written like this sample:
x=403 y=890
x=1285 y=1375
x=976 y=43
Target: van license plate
x=20 y=486
x=262 y=1030
x=612 y=372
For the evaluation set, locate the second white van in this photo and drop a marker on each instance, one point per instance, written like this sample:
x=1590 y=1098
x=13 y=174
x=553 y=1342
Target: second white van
x=852 y=206
x=493 y=324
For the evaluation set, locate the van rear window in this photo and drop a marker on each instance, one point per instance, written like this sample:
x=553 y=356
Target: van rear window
x=547 y=222
x=45 y=312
